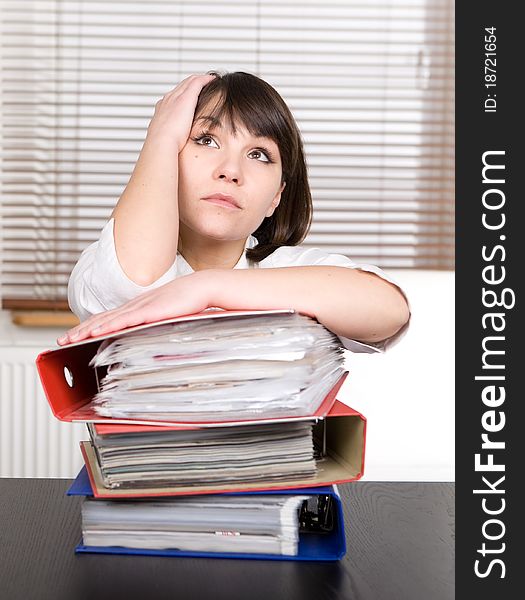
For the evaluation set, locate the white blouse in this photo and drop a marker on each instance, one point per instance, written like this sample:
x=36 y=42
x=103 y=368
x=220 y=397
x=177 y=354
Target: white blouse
x=98 y=282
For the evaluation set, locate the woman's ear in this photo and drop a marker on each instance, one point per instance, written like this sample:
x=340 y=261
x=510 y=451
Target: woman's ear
x=276 y=200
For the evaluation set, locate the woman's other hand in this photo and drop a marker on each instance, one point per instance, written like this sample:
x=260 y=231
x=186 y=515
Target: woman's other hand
x=183 y=296
x=174 y=112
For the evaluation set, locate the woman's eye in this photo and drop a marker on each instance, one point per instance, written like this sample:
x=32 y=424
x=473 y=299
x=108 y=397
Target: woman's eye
x=202 y=140
x=260 y=153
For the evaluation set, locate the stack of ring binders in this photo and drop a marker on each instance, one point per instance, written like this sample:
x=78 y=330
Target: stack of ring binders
x=259 y=487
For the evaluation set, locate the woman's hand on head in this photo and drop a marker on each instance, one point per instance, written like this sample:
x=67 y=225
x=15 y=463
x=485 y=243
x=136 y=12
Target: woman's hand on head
x=175 y=111
x=182 y=296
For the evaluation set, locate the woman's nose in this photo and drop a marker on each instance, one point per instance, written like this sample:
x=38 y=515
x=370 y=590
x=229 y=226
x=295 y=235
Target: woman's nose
x=229 y=176
x=230 y=170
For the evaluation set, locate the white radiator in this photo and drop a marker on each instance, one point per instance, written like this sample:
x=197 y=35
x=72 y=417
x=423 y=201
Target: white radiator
x=33 y=443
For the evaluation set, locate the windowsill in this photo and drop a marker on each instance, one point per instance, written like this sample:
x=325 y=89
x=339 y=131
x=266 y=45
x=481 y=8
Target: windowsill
x=40 y=318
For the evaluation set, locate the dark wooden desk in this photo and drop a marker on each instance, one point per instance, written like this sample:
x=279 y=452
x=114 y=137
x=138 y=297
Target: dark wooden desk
x=400 y=539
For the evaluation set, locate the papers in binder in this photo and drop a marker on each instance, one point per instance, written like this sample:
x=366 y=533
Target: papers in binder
x=204 y=460
x=265 y=452
x=308 y=527
x=208 y=370
x=247 y=524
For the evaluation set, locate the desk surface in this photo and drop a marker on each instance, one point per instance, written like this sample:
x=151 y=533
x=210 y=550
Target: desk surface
x=400 y=546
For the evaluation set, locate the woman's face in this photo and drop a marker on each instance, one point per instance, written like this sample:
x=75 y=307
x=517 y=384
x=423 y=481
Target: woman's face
x=244 y=167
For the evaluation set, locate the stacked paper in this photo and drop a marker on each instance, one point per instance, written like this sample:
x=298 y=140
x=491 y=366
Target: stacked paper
x=212 y=370
x=246 y=524
x=220 y=455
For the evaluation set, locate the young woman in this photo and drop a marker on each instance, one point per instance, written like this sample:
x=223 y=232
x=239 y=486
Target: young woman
x=212 y=217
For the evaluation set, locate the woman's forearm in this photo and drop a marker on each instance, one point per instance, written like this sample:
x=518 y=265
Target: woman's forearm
x=147 y=214
x=146 y=217
x=351 y=303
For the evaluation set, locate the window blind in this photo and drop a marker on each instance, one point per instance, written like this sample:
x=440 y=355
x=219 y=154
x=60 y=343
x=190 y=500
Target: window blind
x=370 y=84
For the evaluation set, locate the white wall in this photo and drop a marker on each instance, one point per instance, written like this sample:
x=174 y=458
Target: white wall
x=407 y=394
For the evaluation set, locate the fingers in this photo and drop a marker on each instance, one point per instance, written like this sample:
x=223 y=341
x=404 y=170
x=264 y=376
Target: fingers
x=174 y=112
x=84 y=329
x=116 y=323
x=80 y=331
x=91 y=325
x=100 y=325
x=195 y=80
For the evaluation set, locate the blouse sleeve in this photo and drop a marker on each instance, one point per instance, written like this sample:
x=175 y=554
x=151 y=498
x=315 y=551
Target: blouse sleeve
x=296 y=256
x=98 y=282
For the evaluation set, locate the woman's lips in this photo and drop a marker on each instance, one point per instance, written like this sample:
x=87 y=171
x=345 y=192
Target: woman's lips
x=222 y=202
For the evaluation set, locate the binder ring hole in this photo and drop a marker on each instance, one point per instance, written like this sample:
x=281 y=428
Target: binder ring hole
x=69 y=376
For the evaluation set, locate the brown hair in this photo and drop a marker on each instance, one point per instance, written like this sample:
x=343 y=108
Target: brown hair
x=247 y=99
